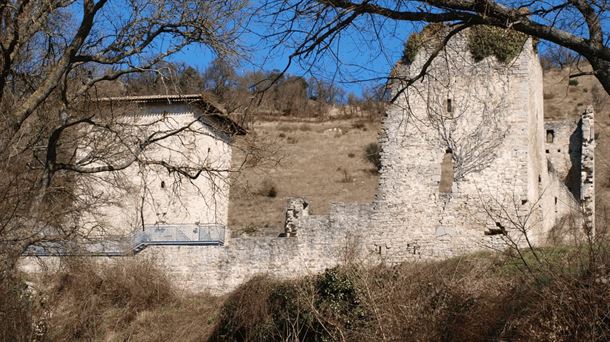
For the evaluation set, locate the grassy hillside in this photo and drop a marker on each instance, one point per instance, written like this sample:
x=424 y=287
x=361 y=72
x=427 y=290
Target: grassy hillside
x=321 y=161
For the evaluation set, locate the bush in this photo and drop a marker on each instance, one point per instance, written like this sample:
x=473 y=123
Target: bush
x=90 y=300
x=573 y=82
x=268 y=188
x=318 y=308
x=485 y=41
x=372 y=154
x=359 y=125
x=305 y=127
x=431 y=33
x=126 y=299
x=15 y=309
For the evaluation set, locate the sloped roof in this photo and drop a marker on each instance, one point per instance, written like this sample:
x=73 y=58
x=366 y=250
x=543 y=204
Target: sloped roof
x=212 y=108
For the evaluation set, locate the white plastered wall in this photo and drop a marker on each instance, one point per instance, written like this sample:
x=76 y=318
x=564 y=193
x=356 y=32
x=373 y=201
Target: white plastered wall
x=150 y=192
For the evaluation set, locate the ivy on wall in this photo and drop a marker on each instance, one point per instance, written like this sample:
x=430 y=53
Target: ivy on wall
x=483 y=41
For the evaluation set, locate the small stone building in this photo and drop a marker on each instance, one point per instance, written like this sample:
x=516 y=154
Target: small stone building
x=178 y=190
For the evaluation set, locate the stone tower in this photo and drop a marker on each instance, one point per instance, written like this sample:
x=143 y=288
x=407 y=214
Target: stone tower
x=463 y=155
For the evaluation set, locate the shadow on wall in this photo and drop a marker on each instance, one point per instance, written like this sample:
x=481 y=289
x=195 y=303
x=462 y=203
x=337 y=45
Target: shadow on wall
x=572 y=179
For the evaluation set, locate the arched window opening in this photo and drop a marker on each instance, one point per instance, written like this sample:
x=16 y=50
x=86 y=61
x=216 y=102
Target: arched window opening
x=550 y=136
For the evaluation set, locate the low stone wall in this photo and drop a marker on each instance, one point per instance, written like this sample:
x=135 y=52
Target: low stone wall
x=320 y=242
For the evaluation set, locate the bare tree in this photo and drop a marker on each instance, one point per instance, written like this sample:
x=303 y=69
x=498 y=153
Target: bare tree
x=56 y=58
x=219 y=77
x=316 y=27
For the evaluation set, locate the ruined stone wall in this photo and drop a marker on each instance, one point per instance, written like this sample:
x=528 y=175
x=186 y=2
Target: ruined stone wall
x=587 y=193
x=560 y=146
x=494 y=133
x=570 y=148
x=321 y=242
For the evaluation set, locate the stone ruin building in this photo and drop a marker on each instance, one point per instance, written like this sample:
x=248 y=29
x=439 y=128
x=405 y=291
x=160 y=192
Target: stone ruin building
x=467 y=159
x=467 y=164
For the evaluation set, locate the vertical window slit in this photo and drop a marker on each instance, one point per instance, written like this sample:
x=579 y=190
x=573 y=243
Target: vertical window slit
x=446 y=183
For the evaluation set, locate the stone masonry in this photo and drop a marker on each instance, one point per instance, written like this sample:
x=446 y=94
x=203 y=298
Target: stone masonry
x=587 y=191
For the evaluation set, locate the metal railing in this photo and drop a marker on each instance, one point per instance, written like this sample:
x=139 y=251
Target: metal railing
x=179 y=235
x=152 y=235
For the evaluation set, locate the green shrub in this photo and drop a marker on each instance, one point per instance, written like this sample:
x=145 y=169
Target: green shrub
x=338 y=297
x=431 y=33
x=485 y=41
x=319 y=308
x=573 y=82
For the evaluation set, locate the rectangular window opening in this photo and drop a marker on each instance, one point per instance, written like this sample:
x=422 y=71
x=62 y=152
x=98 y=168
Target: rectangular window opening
x=497 y=230
x=446 y=183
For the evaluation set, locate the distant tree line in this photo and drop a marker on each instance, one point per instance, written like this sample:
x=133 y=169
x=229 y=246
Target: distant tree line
x=256 y=92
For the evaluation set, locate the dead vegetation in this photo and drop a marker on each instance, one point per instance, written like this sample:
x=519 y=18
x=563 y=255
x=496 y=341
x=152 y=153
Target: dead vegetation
x=478 y=297
x=556 y=293
x=123 y=300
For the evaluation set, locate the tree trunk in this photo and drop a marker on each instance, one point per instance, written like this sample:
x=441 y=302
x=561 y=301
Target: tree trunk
x=602 y=72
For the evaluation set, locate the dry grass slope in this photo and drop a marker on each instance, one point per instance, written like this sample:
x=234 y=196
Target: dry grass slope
x=321 y=161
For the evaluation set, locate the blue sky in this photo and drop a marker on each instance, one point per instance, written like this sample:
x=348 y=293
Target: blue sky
x=362 y=61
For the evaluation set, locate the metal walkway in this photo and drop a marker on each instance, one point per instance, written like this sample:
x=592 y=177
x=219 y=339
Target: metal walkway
x=152 y=235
